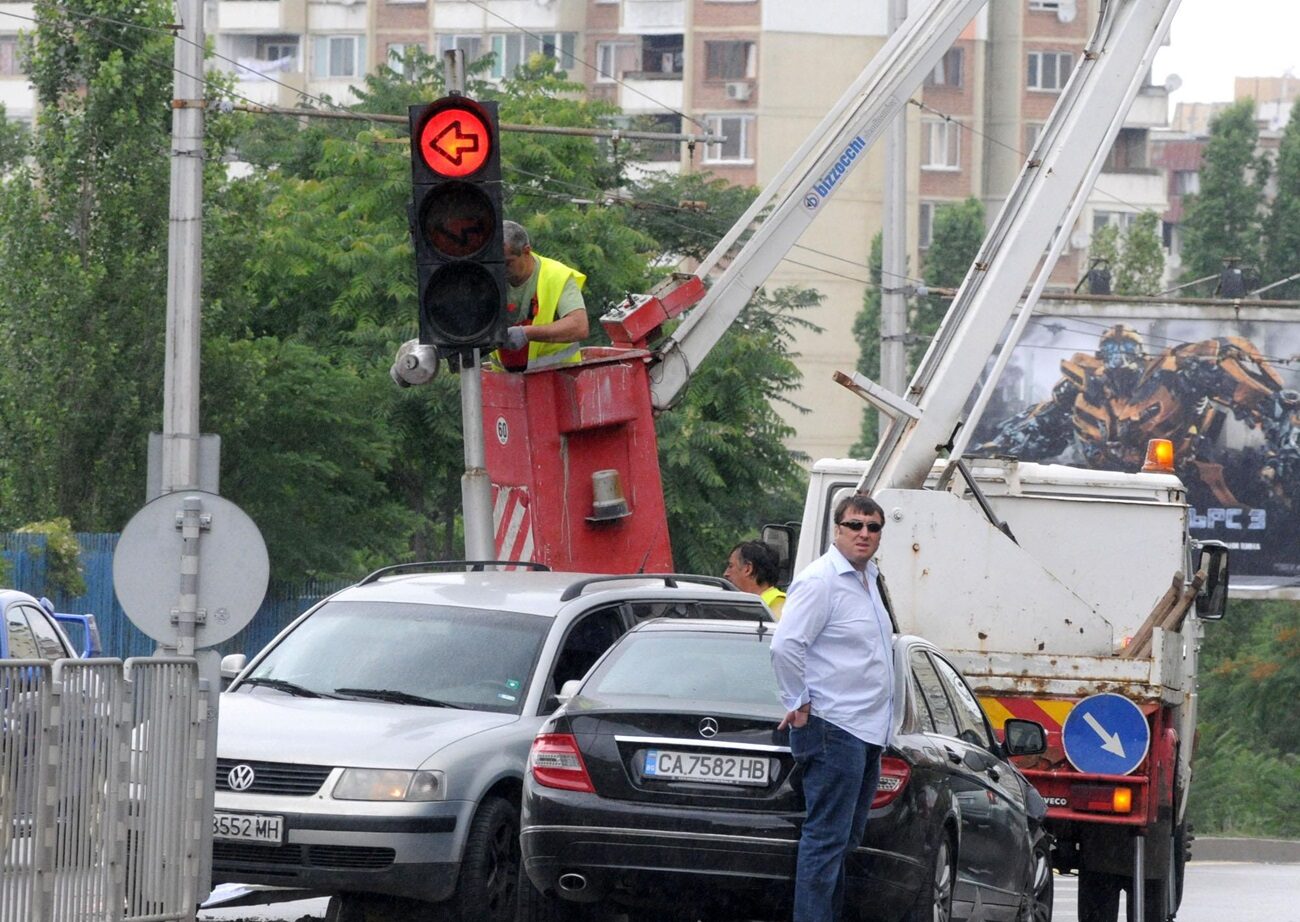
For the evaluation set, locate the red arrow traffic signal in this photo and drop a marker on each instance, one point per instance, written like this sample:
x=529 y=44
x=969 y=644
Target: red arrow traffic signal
x=456 y=141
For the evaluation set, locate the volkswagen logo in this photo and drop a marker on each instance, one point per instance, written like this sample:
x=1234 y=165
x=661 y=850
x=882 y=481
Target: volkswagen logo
x=708 y=728
x=240 y=777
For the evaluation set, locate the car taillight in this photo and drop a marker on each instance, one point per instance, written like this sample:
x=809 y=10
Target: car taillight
x=556 y=763
x=1102 y=798
x=893 y=779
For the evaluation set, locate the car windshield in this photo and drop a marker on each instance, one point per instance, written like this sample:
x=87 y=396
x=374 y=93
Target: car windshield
x=688 y=665
x=406 y=653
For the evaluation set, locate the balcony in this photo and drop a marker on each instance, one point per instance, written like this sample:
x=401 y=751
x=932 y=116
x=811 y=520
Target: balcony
x=1144 y=188
x=1150 y=108
x=285 y=90
x=260 y=16
x=650 y=92
x=653 y=17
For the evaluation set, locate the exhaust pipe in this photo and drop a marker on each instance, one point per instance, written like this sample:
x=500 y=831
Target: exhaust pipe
x=572 y=883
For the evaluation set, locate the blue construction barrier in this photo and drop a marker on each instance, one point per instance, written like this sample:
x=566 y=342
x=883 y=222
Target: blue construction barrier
x=25 y=555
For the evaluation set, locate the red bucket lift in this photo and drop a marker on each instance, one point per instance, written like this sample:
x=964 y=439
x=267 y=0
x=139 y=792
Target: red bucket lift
x=574 y=464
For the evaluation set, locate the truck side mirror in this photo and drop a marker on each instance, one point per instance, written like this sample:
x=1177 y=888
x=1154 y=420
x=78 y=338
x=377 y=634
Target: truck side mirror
x=568 y=690
x=1212 y=600
x=1024 y=737
x=783 y=539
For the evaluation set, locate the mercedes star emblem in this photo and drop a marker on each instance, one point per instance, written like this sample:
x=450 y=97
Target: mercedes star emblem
x=241 y=777
x=708 y=728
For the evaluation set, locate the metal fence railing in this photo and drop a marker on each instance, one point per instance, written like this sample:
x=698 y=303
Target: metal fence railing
x=102 y=770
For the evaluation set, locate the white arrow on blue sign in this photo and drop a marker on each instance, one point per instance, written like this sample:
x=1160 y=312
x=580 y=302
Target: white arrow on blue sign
x=1106 y=735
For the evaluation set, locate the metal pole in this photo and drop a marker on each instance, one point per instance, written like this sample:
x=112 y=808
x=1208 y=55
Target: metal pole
x=1139 y=877
x=893 y=303
x=475 y=487
x=184 y=258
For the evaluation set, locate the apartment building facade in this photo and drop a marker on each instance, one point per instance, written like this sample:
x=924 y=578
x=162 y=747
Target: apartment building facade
x=759 y=73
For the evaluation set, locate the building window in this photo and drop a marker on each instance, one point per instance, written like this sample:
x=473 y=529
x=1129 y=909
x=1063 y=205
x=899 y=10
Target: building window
x=662 y=54
x=1120 y=219
x=948 y=72
x=729 y=60
x=397 y=55
x=736 y=129
x=613 y=59
x=9 y=63
x=335 y=56
x=925 y=226
x=940 y=144
x=1187 y=182
x=511 y=49
x=1033 y=131
x=1048 y=70
x=277 y=48
x=470 y=45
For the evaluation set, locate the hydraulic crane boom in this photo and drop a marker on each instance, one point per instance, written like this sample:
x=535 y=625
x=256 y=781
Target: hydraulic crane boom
x=797 y=195
x=1043 y=205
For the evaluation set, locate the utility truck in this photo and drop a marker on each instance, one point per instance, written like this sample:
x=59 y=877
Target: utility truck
x=1065 y=594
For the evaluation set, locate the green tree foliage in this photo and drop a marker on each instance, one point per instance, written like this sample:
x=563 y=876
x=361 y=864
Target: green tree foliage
x=725 y=468
x=1248 y=760
x=63 y=570
x=1225 y=218
x=866 y=331
x=954 y=242
x=85 y=232
x=1136 y=257
x=1282 y=237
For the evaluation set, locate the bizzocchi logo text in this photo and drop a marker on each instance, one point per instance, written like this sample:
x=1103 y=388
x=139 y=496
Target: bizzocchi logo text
x=828 y=182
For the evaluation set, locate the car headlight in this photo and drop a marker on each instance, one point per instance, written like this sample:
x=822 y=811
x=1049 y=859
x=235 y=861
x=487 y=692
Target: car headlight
x=388 y=784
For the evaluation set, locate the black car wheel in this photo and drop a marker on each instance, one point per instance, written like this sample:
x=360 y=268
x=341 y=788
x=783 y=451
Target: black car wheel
x=934 y=902
x=1038 y=900
x=489 y=869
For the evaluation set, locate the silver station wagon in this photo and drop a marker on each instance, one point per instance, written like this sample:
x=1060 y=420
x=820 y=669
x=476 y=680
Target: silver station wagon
x=376 y=749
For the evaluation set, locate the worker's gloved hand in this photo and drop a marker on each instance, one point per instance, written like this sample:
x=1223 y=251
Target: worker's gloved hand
x=515 y=338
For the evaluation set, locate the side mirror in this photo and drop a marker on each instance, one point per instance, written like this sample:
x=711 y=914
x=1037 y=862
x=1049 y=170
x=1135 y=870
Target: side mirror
x=1024 y=737
x=232 y=664
x=568 y=690
x=1212 y=600
x=783 y=539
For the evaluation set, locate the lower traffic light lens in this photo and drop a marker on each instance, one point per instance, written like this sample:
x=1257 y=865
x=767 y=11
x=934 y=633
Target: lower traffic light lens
x=462 y=302
x=458 y=221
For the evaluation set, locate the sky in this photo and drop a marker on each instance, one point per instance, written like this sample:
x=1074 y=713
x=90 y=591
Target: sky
x=1212 y=41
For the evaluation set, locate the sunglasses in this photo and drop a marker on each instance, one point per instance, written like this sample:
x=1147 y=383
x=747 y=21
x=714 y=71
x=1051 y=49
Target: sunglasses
x=858 y=525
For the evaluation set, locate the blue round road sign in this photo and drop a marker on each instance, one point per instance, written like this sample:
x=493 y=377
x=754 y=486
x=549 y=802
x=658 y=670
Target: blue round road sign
x=1106 y=735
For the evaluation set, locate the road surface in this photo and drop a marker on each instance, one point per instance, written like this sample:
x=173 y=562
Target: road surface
x=1217 y=891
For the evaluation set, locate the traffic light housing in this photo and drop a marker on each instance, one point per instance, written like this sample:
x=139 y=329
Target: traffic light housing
x=455 y=216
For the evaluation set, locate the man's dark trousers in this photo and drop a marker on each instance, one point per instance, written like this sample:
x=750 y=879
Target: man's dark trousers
x=840 y=773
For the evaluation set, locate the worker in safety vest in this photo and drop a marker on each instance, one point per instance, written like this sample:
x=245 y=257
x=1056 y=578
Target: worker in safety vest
x=754 y=567
x=547 y=316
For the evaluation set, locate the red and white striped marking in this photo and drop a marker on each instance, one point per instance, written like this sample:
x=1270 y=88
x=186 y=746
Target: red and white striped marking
x=512 y=519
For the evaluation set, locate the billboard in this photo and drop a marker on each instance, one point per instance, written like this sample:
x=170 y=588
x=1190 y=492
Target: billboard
x=1091 y=381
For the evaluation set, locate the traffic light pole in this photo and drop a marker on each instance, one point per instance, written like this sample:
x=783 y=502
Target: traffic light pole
x=475 y=485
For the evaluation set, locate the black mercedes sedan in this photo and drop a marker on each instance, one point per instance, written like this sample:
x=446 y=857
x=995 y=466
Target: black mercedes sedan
x=663 y=790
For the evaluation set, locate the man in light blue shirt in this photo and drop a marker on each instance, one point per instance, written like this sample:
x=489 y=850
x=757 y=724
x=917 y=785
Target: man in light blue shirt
x=833 y=657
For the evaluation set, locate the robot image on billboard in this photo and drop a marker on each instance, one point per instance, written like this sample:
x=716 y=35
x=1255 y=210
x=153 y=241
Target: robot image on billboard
x=1232 y=418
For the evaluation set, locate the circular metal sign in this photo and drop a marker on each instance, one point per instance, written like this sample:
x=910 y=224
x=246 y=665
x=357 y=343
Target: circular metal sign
x=233 y=568
x=455 y=141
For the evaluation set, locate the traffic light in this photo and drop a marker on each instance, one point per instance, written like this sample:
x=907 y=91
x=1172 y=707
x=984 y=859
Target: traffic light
x=455 y=215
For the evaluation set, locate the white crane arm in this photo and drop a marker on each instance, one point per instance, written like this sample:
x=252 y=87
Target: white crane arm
x=794 y=198
x=1041 y=206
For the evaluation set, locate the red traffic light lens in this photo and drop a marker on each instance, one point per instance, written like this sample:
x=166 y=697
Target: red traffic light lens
x=462 y=301
x=458 y=220
x=455 y=141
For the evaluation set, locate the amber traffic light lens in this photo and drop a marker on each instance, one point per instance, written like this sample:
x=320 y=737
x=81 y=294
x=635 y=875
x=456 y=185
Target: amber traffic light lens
x=459 y=221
